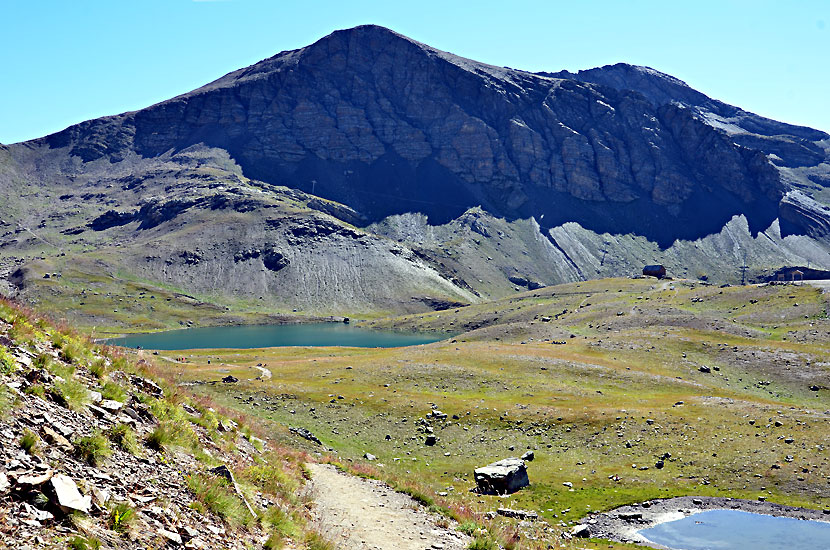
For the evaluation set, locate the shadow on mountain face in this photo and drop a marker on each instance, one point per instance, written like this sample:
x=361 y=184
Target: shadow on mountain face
x=392 y=185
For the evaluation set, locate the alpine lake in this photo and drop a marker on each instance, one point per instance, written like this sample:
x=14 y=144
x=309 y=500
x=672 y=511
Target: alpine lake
x=738 y=530
x=267 y=336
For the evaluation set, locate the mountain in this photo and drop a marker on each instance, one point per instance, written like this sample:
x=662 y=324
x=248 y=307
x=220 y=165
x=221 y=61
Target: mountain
x=369 y=173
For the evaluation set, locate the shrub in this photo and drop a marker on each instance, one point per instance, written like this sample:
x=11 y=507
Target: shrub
x=124 y=438
x=120 y=517
x=92 y=448
x=29 y=441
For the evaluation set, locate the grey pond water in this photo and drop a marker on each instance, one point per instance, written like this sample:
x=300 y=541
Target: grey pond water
x=265 y=336
x=735 y=530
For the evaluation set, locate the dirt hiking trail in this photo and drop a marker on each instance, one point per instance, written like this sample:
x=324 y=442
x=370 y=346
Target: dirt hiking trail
x=359 y=514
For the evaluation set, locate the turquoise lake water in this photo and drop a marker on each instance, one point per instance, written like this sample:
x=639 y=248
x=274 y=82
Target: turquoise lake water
x=734 y=530
x=265 y=336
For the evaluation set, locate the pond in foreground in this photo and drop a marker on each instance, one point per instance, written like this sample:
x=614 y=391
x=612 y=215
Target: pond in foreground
x=735 y=530
x=265 y=336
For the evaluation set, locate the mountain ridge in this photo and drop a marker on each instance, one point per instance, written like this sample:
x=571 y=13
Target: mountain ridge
x=345 y=142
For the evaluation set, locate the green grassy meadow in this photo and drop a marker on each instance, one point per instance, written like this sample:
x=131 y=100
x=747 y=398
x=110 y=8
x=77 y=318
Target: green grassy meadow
x=601 y=393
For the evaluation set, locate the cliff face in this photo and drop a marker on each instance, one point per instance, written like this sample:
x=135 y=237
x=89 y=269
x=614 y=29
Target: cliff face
x=387 y=125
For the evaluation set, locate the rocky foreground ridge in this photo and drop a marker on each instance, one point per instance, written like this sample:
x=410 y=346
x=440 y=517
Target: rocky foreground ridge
x=372 y=173
x=94 y=453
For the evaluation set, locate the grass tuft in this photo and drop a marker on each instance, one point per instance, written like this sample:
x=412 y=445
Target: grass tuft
x=315 y=541
x=29 y=442
x=281 y=526
x=71 y=394
x=217 y=497
x=83 y=543
x=121 y=517
x=111 y=390
x=93 y=448
x=124 y=438
x=483 y=543
x=7 y=364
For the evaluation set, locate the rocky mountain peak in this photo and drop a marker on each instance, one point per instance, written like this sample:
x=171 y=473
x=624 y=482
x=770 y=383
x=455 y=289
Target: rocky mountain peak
x=381 y=131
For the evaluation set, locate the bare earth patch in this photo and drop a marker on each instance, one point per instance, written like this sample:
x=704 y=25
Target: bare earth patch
x=359 y=514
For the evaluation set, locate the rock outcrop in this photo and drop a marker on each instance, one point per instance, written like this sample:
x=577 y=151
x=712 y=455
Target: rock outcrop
x=502 y=477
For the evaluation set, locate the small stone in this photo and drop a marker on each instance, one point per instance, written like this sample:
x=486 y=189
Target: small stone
x=34 y=480
x=110 y=405
x=519 y=514
x=54 y=438
x=170 y=536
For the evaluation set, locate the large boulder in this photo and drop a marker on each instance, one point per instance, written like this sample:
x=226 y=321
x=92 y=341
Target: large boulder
x=502 y=477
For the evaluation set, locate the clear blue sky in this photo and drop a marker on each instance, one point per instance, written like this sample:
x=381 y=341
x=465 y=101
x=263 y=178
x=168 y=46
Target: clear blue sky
x=65 y=61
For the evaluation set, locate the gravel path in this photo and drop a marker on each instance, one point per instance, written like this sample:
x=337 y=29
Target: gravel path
x=358 y=514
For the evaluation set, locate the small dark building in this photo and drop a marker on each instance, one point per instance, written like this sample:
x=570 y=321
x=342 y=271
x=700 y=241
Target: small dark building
x=658 y=271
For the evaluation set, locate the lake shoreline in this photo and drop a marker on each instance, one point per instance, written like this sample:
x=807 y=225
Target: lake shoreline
x=624 y=523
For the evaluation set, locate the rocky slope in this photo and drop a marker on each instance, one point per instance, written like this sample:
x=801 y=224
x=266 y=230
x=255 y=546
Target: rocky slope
x=369 y=173
x=94 y=453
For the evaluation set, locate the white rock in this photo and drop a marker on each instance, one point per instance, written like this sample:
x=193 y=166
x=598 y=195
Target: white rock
x=171 y=536
x=68 y=495
x=110 y=405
